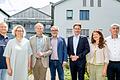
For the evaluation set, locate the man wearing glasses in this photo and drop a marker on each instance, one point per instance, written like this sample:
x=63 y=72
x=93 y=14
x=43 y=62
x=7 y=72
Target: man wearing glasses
x=77 y=49
x=58 y=57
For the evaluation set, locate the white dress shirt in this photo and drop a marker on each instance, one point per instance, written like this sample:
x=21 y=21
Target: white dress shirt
x=114 y=47
x=75 y=43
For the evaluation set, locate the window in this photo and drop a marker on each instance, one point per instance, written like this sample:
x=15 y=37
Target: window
x=47 y=26
x=99 y=3
x=68 y=32
x=91 y=3
x=84 y=14
x=84 y=3
x=69 y=14
x=85 y=32
x=118 y=0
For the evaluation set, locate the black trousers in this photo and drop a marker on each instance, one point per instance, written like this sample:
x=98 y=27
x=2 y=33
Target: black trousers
x=77 y=70
x=113 y=70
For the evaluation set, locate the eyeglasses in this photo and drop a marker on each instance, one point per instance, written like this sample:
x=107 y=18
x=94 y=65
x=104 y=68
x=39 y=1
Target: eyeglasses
x=19 y=30
x=54 y=30
x=115 y=28
x=2 y=26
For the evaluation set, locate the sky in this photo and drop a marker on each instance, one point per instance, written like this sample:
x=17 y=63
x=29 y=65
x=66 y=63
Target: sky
x=11 y=6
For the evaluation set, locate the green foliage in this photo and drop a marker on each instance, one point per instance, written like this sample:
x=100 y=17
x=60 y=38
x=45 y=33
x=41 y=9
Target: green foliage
x=67 y=74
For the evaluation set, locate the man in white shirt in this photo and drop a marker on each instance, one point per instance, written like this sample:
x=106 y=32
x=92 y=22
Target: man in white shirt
x=77 y=49
x=113 y=42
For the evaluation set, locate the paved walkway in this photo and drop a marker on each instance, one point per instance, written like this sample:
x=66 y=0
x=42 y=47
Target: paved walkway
x=47 y=76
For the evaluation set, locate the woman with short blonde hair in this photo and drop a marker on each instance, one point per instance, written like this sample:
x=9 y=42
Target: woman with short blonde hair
x=17 y=53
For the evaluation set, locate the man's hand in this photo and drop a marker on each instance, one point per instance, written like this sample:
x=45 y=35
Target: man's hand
x=74 y=57
x=64 y=63
x=39 y=54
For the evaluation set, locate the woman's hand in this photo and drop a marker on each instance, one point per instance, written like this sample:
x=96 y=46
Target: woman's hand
x=9 y=70
x=104 y=71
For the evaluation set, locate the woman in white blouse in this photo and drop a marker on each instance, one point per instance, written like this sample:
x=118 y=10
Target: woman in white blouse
x=98 y=56
x=17 y=53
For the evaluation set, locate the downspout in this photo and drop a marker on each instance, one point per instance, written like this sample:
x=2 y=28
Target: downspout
x=52 y=12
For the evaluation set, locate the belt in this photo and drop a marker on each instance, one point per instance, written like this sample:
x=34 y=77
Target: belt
x=114 y=61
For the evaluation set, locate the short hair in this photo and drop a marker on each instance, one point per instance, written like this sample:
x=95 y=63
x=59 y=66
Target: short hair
x=39 y=24
x=4 y=23
x=77 y=24
x=115 y=24
x=16 y=27
x=56 y=27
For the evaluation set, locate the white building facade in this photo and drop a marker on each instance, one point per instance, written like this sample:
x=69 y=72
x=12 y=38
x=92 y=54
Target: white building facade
x=92 y=14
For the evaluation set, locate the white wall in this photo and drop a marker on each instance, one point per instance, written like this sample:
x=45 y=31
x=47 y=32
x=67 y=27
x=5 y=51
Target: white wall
x=100 y=17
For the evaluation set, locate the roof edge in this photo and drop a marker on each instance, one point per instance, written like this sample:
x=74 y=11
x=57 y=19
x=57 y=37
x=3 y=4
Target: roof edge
x=32 y=8
x=59 y=2
x=4 y=12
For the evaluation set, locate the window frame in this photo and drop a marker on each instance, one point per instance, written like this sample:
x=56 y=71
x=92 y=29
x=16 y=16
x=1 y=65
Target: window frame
x=84 y=14
x=91 y=3
x=99 y=3
x=67 y=15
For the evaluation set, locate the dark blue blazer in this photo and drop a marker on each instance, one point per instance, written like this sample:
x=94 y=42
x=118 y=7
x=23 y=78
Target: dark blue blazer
x=61 y=49
x=3 y=43
x=82 y=48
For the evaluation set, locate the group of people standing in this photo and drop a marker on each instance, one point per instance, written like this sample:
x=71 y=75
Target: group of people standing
x=20 y=55
x=104 y=55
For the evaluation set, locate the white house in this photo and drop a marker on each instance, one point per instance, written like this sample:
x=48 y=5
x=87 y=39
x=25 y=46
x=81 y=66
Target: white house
x=3 y=15
x=28 y=18
x=91 y=14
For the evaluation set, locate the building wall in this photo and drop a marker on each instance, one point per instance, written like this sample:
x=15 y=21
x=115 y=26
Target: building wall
x=100 y=17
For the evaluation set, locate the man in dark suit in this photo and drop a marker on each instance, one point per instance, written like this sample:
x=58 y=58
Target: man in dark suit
x=58 y=57
x=78 y=47
x=3 y=42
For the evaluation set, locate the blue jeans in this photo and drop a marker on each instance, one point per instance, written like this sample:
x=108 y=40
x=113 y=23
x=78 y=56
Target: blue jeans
x=56 y=65
x=3 y=74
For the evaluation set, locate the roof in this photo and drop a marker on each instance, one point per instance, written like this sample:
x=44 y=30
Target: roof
x=34 y=9
x=4 y=12
x=59 y=2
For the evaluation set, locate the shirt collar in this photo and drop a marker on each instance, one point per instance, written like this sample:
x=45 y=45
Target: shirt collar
x=39 y=36
x=57 y=36
x=77 y=36
x=4 y=36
